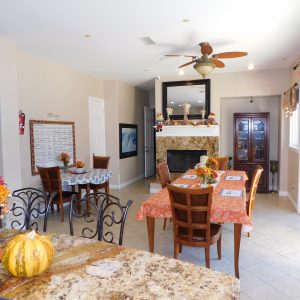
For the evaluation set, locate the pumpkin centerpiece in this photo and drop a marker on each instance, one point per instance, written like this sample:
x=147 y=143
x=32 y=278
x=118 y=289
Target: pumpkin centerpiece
x=27 y=255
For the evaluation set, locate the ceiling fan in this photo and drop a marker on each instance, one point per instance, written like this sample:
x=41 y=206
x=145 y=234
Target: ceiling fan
x=205 y=64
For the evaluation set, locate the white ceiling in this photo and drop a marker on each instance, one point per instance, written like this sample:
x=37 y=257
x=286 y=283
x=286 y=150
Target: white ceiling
x=54 y=29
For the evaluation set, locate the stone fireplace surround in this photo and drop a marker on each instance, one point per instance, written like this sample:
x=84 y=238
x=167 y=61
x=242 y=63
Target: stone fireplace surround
x=187 y=137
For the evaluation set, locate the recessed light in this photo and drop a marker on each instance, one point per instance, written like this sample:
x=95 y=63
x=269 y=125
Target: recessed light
x=185 y=20
x=181 y=72
x=199 y=101
x=146 y=70
x=179 y=104
x=172 y=102
x=87 y=36
x=250 y=66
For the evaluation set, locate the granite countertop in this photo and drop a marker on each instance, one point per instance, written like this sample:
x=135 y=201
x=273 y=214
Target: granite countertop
x=88 y=269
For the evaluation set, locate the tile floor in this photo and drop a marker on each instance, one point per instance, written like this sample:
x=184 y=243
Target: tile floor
x=269 y=259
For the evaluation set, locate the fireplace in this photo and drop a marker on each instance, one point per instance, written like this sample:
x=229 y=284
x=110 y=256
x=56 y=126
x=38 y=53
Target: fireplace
x=179 y=161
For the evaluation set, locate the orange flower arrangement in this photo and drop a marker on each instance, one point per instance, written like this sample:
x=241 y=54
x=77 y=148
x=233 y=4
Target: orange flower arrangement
x=64 y=157
x=212 y=163
x=4 y=195
x=207 y=174
x=80 y=164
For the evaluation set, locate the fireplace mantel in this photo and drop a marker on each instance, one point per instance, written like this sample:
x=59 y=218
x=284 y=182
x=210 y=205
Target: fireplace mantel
x=189 y=130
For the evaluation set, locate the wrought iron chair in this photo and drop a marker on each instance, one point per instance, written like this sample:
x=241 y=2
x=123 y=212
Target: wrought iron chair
x=101 y=212
x=27 y=205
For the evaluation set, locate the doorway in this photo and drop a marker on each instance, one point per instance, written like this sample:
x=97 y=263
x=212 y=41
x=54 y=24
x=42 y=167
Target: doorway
x=149 y=145
x=96 y=127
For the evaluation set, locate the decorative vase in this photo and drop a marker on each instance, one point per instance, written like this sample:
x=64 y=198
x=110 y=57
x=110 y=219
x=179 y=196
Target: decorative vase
x=65 y=168
x=273 y=170
x=79 y=170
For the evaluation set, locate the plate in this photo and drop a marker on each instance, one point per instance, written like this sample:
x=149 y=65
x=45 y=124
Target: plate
x=233 y=178
x=187 y=176
x=181 y=185
x=231 y=193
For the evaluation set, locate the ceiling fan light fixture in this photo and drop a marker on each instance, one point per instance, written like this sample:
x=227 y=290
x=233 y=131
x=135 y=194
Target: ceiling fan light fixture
x=204 y=68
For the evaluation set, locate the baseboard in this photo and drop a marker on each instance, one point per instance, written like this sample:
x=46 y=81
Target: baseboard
x=293 y=202
x=126 y=183
x=283 y=194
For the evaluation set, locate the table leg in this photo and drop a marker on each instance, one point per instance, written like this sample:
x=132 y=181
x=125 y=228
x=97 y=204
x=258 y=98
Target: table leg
x=237 y=242
x=151 y=229
x=88 y=190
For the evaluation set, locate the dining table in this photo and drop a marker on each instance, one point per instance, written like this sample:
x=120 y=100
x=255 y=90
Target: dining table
x=228 y=205
x=87 y=269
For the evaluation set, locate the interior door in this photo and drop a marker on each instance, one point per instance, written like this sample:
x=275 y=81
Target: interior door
x=97 y=127
x=149 y=141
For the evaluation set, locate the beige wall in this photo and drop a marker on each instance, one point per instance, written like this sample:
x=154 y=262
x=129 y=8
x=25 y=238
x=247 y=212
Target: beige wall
x=9 y=115
x=46 y=87
x=124 y=103
x=293 y=154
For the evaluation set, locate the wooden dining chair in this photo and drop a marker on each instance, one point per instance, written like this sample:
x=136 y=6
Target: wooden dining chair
x=223 y=162
x=165 y=178
x=252 y=193
x=103 y=217
x=191 y=210
x=51 y=182
x=99 y=162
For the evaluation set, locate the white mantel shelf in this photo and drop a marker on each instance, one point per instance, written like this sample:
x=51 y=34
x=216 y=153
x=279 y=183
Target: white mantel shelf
x=189 y=130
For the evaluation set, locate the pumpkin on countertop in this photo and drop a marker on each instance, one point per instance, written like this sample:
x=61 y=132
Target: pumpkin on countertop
x=27 y=255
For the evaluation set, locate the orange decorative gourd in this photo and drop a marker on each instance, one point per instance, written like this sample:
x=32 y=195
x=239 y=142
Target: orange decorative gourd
x=27 y=255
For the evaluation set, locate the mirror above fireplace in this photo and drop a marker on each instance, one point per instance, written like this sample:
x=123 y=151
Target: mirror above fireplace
x=195 y=93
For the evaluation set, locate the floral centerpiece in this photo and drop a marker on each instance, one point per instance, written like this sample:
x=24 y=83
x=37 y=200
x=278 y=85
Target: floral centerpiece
x=4 y=195
x=65 y=159
x=206 y=175
x=212 y=163
x=80 y=166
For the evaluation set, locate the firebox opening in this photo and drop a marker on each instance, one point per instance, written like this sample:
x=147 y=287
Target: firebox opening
x=179 y=161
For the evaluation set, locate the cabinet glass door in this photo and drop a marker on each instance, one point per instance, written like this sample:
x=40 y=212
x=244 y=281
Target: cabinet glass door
x=243 y=139
x=259 y=139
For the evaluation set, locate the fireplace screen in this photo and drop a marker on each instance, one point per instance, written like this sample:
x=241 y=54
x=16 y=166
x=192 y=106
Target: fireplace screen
x=179 y=161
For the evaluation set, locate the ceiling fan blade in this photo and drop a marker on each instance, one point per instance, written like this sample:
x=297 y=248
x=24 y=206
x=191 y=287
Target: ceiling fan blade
x=186 y=64
x=206 y=48
x=180 y=55
x=218 y=63
x=229 y=54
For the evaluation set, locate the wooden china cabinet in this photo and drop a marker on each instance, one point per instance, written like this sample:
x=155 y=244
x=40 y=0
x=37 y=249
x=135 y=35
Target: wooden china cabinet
x=251 y=146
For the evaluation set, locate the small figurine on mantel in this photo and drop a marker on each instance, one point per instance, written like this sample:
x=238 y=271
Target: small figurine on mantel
x=186 y=111
x=159 y=122
x=211 y=120
x=169 y=111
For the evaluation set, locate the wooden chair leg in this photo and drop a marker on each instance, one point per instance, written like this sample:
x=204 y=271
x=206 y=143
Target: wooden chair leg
x=165 y=223
x=62 y=213
x=207 y=257
x=248 y=234
x=180 y=248
x=219 y=247
x=107 y=187
x=176 y=250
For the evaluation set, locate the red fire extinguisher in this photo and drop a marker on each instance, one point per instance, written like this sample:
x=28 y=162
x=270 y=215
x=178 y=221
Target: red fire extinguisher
x=21 y=122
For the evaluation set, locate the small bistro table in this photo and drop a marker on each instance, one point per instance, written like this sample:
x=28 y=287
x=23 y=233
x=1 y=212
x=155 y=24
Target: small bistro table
x=224 y=209
x=91 y=176
x=88 y=269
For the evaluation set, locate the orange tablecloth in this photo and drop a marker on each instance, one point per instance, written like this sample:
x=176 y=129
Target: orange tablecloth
x=224 y=209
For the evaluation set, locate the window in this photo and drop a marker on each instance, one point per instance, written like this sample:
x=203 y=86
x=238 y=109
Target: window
x=294 y=128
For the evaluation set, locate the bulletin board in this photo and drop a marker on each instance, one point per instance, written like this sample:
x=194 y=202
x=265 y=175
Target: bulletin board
x=47 y=140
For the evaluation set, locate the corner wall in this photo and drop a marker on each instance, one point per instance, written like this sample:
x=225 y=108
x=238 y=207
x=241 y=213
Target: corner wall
x=10 y=147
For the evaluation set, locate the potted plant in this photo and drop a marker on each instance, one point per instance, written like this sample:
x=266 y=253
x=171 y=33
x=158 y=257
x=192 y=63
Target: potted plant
x=65 y=159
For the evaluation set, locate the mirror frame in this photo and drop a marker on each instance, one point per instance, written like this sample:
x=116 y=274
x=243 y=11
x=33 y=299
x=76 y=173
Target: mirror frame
x=167 y=84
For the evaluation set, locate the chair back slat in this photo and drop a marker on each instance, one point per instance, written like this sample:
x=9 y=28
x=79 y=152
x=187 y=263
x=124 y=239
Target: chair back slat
x=100 y=162
x=191 y=211
x=252 y=193
x=223 y=162
x=164 y=174
x=50 y=178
